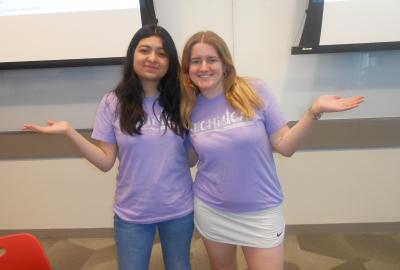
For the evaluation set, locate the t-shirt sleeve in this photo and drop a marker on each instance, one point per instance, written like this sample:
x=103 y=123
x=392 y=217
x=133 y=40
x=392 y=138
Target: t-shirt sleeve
x=103 y=129
x=273 y=116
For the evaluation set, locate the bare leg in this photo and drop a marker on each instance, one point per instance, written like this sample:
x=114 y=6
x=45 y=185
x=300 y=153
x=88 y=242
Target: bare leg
x=222 y=256
x=264 y=258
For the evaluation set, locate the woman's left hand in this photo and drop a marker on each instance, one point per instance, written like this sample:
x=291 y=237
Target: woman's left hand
x=330 y=103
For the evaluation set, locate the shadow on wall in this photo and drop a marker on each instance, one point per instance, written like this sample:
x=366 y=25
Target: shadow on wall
x=52 y=86
x=375 y=75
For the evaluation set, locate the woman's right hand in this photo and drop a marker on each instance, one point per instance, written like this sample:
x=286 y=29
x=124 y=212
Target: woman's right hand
x=101 y=154
x=53 y=127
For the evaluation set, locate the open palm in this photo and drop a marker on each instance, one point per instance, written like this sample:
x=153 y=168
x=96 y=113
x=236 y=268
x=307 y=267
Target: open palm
x=329 y=103
x=53 y=127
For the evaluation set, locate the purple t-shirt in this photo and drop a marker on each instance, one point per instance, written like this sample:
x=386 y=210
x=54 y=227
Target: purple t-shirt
x=154 y=182
x=236 y=168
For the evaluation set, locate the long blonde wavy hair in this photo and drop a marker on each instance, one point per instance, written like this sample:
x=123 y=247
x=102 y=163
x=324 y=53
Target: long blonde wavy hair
x=238 y=92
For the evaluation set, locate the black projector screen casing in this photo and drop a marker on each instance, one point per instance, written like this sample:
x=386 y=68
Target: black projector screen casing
x=341 y=21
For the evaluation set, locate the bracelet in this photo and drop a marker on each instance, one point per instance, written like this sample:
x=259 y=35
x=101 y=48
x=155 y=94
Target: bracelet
x=313 y=115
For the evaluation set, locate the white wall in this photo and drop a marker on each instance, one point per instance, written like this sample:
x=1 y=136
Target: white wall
x=260 y=34
x=54 y=194
x=342 y=186
x=264 y=32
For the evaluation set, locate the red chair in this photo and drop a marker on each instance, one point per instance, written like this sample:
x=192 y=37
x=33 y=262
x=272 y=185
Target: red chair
x=22 y=252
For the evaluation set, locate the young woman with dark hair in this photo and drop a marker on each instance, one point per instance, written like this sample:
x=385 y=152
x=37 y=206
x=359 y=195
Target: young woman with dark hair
x=139 y=122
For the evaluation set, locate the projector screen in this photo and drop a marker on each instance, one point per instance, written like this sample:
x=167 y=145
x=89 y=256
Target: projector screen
x=68 y=31
x=350 y=25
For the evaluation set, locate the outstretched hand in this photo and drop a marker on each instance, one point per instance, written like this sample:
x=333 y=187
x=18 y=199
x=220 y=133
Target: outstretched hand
x=53 y=127
x=329 y=103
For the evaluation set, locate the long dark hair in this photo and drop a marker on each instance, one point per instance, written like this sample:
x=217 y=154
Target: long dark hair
x=130 y=91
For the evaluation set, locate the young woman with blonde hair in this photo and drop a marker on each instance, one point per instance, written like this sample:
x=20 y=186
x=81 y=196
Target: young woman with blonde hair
x=235 y=125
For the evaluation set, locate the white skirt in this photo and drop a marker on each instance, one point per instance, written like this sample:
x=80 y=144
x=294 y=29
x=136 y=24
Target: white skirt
x=260 y=229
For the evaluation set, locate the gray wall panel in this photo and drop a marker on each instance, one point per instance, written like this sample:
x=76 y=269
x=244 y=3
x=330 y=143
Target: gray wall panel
x=327 y=134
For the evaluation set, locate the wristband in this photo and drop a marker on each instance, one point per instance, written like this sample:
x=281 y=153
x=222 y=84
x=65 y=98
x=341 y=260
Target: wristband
x=313 y=115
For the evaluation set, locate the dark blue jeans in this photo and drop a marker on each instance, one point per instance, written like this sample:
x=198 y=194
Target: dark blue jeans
x=134 y=243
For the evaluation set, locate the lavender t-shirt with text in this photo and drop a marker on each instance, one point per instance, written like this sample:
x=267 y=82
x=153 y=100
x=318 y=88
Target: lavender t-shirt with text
x=153 y=182
x=236 y=168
